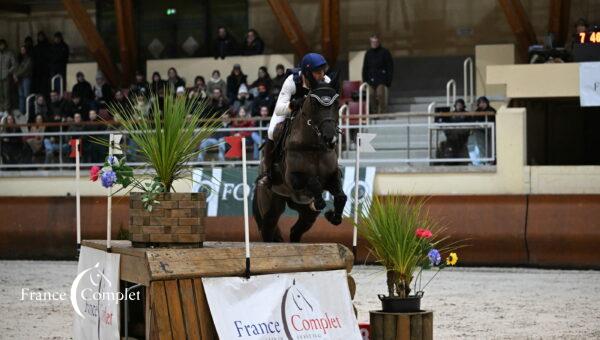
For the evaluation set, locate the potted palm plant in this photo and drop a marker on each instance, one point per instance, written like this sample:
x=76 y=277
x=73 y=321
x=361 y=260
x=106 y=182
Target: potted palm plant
x=167 y=140
x=405 y=240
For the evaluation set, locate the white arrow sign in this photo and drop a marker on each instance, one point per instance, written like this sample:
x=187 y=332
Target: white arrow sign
x=115 y=144
x=364 y=142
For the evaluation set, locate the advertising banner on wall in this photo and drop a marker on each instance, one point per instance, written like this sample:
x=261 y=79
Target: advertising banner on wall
x=95 y=296
x=283 y=306
x=589 y=84
x=225 y=193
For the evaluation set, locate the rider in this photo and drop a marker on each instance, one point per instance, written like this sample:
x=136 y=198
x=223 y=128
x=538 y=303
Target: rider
x=295 y=87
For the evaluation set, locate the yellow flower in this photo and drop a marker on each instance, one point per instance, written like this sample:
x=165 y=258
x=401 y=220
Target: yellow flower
x=452 y=259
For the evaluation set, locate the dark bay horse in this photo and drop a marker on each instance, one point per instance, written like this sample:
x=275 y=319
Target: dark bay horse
x=308 y=167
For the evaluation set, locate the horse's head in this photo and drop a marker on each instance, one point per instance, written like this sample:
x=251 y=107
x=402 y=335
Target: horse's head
x=321 y=111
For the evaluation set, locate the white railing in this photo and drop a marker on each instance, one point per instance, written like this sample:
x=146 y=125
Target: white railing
x=450 y=86
x=468 y=82
x=53 y=84
x=430 y=109
x=360 y=104
x=343 y=108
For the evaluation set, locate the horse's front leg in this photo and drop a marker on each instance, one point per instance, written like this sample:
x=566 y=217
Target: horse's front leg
x=315 y=187
x=334 y=186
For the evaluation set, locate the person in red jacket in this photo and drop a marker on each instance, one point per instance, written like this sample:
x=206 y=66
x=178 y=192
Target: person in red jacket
x=243 y=122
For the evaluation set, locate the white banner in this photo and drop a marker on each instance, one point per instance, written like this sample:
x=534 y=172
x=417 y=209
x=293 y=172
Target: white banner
x=310 y=305
x=589 y=84
x=95 y=296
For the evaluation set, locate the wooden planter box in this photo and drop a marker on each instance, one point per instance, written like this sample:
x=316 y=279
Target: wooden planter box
x=177 y=221
x=401 y=326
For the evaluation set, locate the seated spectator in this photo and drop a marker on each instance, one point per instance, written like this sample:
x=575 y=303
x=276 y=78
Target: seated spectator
x=199 y=89
x=158 y=83
x=218 y=138
x=55 y=108
x=243 y=122
x=259 y=136
x=180 y=92
x=234 y=80
x=215 y=81
x=76 y=105
x=120 y=99
x=477 y=140
x=263 y=98
x=12 y=147
x=174 y=81
x=93 y=151
x=277 y=82
x=103 y=93
x=140 y=86
x=39 y=108
x=254 y=44
x=455 y=145
x=263 y=78
x=82 y=89
x=225 y=45
x=243 y=100
x=23 y=75
x=218 y=104
x=36 y=143
x=142 y=106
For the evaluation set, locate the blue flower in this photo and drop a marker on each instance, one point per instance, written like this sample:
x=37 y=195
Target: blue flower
x=108 y=178
x=434 y=257
x=112 y=160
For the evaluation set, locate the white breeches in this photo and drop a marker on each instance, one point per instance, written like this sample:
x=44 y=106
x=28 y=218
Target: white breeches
x=275 y=119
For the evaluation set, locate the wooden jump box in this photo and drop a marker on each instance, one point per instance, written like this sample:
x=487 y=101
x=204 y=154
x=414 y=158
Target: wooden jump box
x=175 y=305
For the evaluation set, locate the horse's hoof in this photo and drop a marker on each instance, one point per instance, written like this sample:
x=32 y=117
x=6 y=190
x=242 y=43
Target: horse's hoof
x=313 y=207
x=332 y=218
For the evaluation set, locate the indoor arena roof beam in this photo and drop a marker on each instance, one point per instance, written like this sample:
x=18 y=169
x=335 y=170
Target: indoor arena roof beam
x=520 y=25
x=127 y=43
x=560 y=11
x=93 y=40
x=290 y=25
x=330 y=29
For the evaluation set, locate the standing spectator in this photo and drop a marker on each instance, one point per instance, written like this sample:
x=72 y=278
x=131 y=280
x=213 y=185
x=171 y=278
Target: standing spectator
x=12 y=147
x=215 y=81
x=174 y=80
x=218 y=138
x=258 y=136
x=264 y=98
x=234 y=80
x=225 y=45
x=103 y=93
x=199 y=89
x=263 y=78
x=23 y=75
x=7 y=66
x=41 y=69
x=59 y=57
x=36 y=143
x=243 y=100
x=158 y=84
x=55 y=108
x=254 y=44
x=477 y=140
x=377 y=71
x=277 y=82
x=82 y=89
x=140 y=86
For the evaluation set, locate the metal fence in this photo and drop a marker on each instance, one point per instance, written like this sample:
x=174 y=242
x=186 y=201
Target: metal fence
x=408 y=152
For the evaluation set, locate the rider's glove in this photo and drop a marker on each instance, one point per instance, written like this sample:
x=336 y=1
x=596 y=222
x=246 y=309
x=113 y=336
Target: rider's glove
x=296 y=104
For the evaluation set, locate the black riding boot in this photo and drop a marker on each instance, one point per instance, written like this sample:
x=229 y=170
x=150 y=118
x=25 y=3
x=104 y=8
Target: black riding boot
x=267 y=162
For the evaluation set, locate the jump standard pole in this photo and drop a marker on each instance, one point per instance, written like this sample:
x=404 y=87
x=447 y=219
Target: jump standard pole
x=246 y=217
x=78 y=192
x=356 y=182
x=109 y=198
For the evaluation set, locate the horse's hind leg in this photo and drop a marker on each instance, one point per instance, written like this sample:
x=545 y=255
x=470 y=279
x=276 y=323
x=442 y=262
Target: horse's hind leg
x=306 y=219
x=267 y=222
x=339 y=200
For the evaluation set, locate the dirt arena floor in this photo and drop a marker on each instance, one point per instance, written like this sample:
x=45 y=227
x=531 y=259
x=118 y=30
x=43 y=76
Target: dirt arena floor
x=477 y=303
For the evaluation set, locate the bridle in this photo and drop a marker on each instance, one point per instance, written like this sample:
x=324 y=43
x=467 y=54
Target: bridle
x=324 y=101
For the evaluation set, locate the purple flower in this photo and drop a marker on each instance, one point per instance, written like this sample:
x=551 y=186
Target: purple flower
x=112 y=160
x=108 y=178
x=434 y=257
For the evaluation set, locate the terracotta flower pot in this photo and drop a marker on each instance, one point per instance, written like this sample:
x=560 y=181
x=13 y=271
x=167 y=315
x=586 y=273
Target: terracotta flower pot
x=178 y=220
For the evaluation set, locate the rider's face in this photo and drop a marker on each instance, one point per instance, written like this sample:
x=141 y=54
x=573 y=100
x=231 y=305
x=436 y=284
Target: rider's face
x=318 y=75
